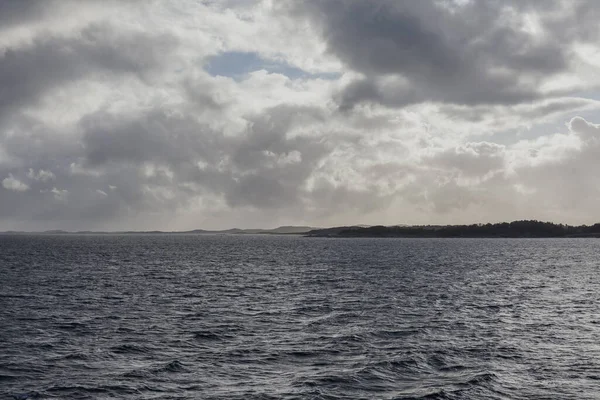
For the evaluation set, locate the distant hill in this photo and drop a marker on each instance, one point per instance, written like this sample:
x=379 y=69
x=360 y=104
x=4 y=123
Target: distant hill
x=291 y=229
x=282 y=230
x=520 y=229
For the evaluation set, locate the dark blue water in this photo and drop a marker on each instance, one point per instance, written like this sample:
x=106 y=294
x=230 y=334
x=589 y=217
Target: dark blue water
x=178 y=317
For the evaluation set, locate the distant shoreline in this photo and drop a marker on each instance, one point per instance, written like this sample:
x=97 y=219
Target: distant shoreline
x=282 y=230
x=515 y=229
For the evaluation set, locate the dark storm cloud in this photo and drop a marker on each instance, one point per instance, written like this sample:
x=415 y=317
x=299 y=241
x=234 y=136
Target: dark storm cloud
x=35 y=68
x=28 y=72
x=159 y=135
x=14 y=12
x=271 y=167
x=263 y=167
x=159 y=159
x=476 y=53
x=41 y=158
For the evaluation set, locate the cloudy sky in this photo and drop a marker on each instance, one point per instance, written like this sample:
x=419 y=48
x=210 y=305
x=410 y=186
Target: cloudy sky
x=212 y=114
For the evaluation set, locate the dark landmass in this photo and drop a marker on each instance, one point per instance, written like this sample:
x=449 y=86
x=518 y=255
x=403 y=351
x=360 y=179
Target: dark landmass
x=515 y=229
x=282 y=230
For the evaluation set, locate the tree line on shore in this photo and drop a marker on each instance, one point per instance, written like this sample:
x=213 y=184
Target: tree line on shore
x=524 y=228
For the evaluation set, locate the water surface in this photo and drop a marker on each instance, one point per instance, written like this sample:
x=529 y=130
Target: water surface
x=193 y=316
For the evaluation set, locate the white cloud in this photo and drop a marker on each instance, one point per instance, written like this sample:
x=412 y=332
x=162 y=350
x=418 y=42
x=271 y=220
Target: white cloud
x=42 y=175
x=117 y=97
x=12 y=183
x=60 y=194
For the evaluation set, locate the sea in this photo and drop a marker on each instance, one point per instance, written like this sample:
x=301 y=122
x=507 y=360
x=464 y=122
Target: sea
x=167 y=316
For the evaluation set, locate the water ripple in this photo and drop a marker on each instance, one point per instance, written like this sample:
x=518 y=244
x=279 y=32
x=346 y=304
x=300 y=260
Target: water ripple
x=280 y=317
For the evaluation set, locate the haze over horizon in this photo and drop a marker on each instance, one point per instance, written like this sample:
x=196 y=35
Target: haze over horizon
x=181 y=115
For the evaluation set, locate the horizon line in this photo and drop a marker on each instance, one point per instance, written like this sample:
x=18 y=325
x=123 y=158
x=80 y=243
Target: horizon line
x=273 y=230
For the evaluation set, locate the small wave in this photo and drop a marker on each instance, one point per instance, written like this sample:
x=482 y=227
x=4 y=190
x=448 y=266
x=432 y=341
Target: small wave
x=395 y=334
x=125 y=329
x=302 y=353
x=482 y=378
x=436 y=395
x=17 y=296
x=25 y=396
x=173 y=366
x=405 y=366
x=72 y=326
x=76 y=388
x=350 y=338
x=75 y=391
x=7 y=377
x=137 y=374
x=208 y=336
x=76 y=356
x=475 y=381
x=130 y=349
x=324 y=381
x=453 y=368
x=42 y=346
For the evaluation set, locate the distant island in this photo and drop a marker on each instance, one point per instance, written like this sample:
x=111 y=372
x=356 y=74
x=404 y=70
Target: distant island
x=282 y=230
x=515 y=229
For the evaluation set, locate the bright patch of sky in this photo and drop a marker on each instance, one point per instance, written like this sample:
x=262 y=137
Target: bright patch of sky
x=236 y=65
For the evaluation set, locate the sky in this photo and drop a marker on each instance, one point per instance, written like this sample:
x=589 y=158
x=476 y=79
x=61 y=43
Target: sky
x=185 y=114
